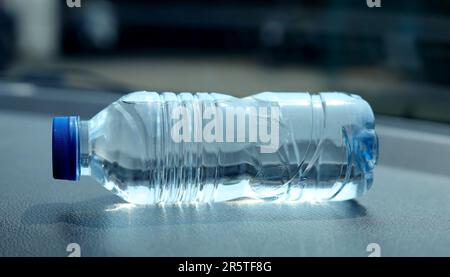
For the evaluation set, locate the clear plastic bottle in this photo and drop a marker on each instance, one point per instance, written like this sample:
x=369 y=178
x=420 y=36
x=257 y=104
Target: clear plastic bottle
x=176 y=148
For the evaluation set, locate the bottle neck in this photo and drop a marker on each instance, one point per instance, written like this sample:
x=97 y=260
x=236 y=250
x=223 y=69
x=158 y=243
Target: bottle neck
x=85 y=151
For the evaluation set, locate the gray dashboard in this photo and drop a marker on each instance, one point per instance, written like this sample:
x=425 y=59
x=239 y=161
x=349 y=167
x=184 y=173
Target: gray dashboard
x=407 y=211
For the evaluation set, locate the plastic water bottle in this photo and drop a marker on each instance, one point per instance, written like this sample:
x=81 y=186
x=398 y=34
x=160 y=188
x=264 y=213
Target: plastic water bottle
x=151 y=148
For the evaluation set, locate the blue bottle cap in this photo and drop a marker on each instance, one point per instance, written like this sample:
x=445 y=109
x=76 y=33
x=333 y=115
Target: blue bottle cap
x=66 y=148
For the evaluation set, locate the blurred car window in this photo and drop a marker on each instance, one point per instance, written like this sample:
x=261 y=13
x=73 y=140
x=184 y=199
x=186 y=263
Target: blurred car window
x=396 y=56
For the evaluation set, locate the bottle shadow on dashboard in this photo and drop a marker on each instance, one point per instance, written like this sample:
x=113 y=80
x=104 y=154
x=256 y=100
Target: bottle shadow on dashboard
x=112 y=212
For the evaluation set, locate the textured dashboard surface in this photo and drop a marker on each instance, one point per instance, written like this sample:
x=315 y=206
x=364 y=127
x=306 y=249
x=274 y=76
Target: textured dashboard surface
x=407 y=211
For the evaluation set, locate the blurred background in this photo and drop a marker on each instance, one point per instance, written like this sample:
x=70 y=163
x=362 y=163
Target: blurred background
x=396 y=56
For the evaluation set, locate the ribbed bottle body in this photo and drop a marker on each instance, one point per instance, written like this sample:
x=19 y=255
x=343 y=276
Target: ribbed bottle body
x=170 y=148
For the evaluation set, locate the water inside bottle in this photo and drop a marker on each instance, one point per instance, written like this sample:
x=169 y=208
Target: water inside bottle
x=327 y=149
